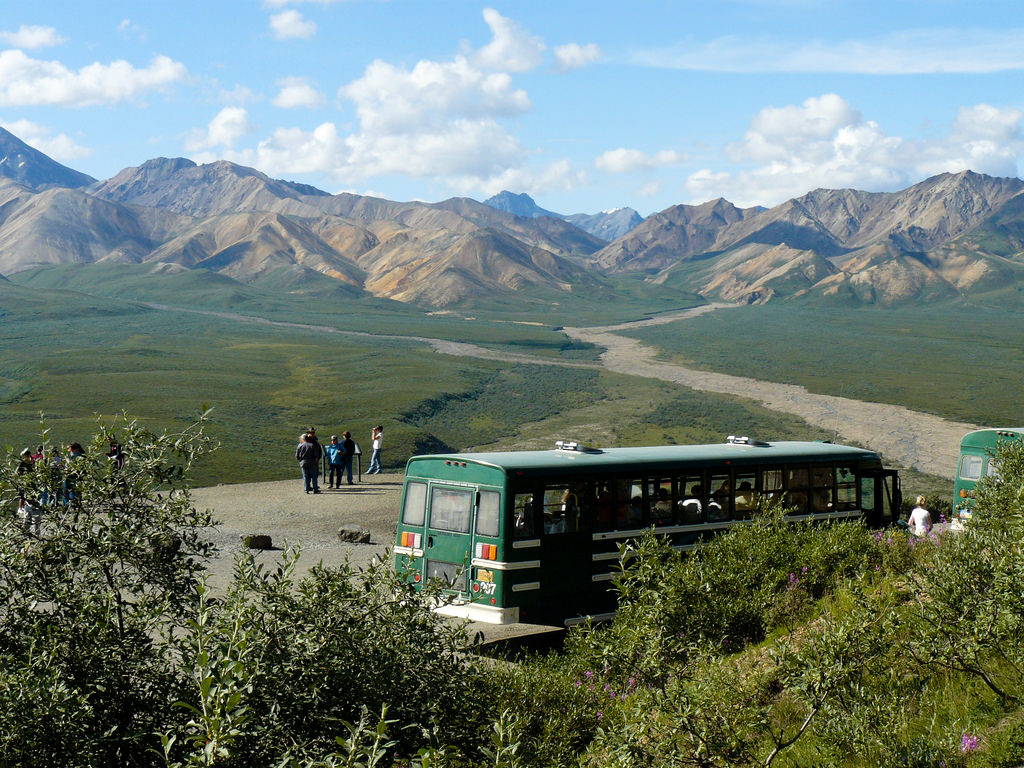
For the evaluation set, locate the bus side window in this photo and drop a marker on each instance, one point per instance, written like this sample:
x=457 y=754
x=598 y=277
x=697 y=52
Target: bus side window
x=846 y=488
x=821 y=479
x=771 y=483
x=796 y=490
x=629 y=504
x=692 y=503
x=745 y=494
x=561 y=505
x=523 y=516
x=659 y=497
x=586 y=500
x=721 y=498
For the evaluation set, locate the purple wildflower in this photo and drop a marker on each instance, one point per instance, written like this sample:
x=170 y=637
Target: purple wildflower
x=588 y=674
x=968 y=743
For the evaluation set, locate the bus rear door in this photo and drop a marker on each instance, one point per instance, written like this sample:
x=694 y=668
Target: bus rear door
x=568 y=590
x=447 y=549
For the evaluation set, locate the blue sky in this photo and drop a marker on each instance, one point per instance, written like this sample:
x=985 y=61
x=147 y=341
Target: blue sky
x=586 y=106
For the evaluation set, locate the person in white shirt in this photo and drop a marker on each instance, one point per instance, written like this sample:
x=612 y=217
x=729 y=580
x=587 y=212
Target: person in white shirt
x=378 y=443
x=920 y=521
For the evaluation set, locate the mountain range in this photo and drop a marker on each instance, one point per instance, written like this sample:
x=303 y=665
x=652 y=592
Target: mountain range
x=951 y=236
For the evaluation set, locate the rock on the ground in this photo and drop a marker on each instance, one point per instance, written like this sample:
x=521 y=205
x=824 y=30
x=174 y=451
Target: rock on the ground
x=354 y=534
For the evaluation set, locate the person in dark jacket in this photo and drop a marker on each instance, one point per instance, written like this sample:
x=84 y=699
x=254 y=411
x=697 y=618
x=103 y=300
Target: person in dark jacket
x=308 y=455
x=348 y=445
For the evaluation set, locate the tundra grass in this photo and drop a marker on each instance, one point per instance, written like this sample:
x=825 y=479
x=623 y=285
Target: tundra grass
x=958 y=362
x=77 y=361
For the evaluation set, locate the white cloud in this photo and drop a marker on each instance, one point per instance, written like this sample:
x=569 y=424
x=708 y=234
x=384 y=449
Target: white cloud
x=240 y=94
x=512 y=48
x=297 y=92
x=129 y=28
x=290 y=24
x=390 y=99
x=441 y=120
x=651 y=189
x=913 y=51
x=30 y=82
x=60 y=147
x=576 y=56
x=224 y=130
x=824 y=142
x=32 y=37
x=630 y=160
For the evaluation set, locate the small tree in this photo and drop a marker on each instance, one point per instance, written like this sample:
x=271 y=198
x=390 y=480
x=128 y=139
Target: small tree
x=970 y=613
x=88 y=604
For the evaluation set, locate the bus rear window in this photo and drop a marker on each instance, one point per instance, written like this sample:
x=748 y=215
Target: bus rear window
x=450 y=509
x=415 y=506
x=487 y=513
x=970 y=468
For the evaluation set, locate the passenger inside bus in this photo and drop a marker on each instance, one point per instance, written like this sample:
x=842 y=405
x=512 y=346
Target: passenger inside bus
x=661 y=509
x=744 y=499
x=822 y=500
x=718 y=507
x=692 y=506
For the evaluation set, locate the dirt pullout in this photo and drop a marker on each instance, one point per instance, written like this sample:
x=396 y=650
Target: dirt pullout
x=910 y=438
x=289 y=516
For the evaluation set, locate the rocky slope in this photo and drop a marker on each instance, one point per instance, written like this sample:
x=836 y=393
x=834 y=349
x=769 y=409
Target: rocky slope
x=28 y=166
x=917 y=244
x=953 y=235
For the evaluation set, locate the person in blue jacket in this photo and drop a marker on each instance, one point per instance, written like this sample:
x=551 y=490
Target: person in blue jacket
x=335 y=462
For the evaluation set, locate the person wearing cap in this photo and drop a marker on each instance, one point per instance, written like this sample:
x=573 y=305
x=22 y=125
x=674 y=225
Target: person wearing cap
x=335 y=462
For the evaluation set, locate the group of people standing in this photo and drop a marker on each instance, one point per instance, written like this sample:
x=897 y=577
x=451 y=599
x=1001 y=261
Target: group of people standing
x=61 y=486
x=337 y=456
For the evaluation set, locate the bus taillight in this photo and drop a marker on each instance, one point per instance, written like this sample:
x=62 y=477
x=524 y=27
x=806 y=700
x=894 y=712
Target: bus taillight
x=486 y=551
x=410 y=539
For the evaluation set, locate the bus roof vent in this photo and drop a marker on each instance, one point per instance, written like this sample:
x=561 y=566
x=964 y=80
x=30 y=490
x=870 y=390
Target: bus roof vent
x=572 y=445
x=744 y=440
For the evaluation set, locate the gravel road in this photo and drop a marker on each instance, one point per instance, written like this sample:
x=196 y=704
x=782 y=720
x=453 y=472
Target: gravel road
x=289 y=516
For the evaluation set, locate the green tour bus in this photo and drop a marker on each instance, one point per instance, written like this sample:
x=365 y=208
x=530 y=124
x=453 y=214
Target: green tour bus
x=977 y=460
x=533 y=536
